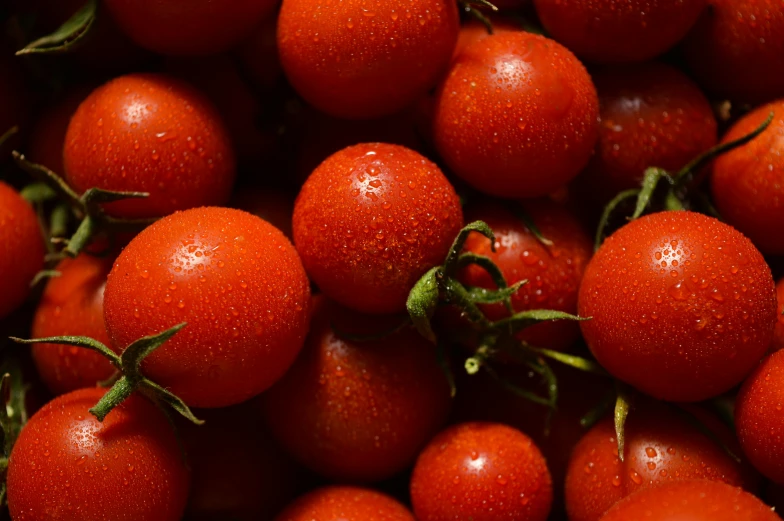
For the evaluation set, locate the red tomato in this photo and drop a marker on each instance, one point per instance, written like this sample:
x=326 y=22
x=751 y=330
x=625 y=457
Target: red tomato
x=188 y=27
x=21 y=249
x=778 y=334
x=356 y=60
x=661 y=446
x=737 y=49
x=748 y=182
x=682 y=306
x=72 y=304
x=516 y=116
x=482 y=472
x=345 y=504
x=618 y=30
x=274 y=206
x=553 y=272
x=238 y=283
x=68 y=465
x=475 y=31
x=354 y=410
x=147 y=132
x=370 y=221
x=697 y=500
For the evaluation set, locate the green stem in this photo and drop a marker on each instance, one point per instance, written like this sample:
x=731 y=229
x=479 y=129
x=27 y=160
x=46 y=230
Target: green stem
x=84 y=234
x=121 y=390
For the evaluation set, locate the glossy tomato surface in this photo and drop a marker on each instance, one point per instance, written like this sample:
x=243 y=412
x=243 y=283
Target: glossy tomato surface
x=778 y=335
x=345 y=503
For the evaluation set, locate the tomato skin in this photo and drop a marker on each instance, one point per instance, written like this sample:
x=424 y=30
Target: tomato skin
x=737 y=50
x=553 y=272
x=718 y=302
x=153 y=133
x=370 y=221
x=697 y=500
x=475 y=31
x=528 y=138
x=68 y=465
x=238 y=283
x=471 y=467
x=778 y=334
x=353 y=410
x=345 y=503
x=747 y=181
x=612 y=31
x=72 y=304
x=354 y=63
x=21 y=249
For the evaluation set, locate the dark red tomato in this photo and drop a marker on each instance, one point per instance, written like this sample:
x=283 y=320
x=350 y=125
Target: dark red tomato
x=188 y=27
x=698 y=500
x=148 y=132
x=748 y=182
x=758 y=418
x=651 y=115
x=345 y=503
x=482 y=472
x=661 y=446
x=618 y=30
x=358 y=410
x=273 y=205
x=682 y=306
x=474 y=31
x=553 y=272
x=370 y=221
x=356 y=60
x=778 y=334
x=68 y=465
x=238 y=283
x=21 y=249
x=259 y=55
x=72 y=304
x=516 y=116
x=737 y=49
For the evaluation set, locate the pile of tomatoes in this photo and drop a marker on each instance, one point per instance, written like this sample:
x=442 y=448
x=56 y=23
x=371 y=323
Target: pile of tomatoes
x=391 y=260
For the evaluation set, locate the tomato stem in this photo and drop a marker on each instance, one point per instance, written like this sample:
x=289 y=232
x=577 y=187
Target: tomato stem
x=623 y=403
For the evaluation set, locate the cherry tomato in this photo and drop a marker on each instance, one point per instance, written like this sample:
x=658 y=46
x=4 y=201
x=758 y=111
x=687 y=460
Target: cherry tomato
x=748 y=182
x=516 y=115
x=616 y=30
x=21 y=249
x=147 y=132
x=274 y=206
x=238 y=283
x=370 y=221
x=358 y=61
x=737 y=49
x=188 y=27
x=553 y=272
x=697 y=500
x=345 y=503
x=778 y=334
x=475 y=31
x=682 y=306
x=358 y=410
x=68 y=465
x=72 y=304
x=481 y=471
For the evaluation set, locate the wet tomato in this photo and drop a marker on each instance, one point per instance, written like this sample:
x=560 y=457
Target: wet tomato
x=238 y=283
x=474 y=31
x=346 y=504
x=778 y=335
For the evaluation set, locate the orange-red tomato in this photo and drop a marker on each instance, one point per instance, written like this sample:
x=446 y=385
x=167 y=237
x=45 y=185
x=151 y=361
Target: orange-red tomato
x=345 y=503
x=237 y=282
x=475 y=31
x=68 y=465
x=153 y=133
x=682 y=305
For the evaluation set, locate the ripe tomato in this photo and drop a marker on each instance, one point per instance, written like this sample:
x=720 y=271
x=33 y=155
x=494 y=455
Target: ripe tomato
x=516 y=115
x=697 y=500
x=748 y=182
x=778 y=334
x=72 y=304
x=147 y=132
x=682 y=306
x=68 y=465
x=481 y=471
x=274 y=206
x=474 y=31
x=553 y=272
x=370 y=221
x=238 y=283
x=21 y=249
x=737 y=49
x=356 y=60
x=188 y=27
x=48 y=135
x=616 y=30
x=355 y=410
x=346 y=504
x=661 y=446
